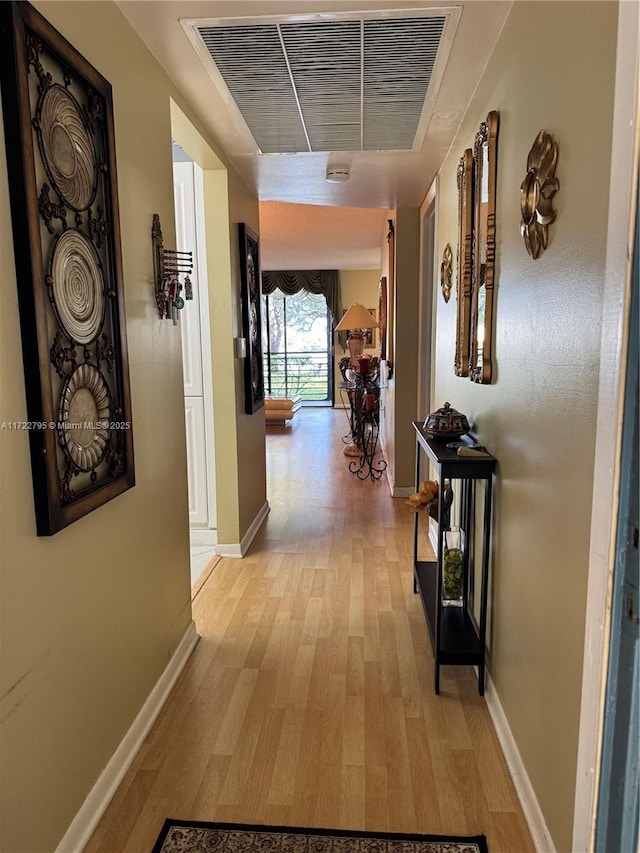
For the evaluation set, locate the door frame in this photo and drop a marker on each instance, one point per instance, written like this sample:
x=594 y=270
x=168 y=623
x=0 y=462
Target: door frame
x=200 y=533
x=615 y=319
x=428 y=292
x=617 y=808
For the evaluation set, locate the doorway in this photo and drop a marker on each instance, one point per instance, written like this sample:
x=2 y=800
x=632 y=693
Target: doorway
x=427 y=296
x=196 y=361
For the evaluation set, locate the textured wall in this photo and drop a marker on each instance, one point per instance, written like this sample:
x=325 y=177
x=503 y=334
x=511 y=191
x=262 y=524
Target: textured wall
x=538 y=415
x=90 y=617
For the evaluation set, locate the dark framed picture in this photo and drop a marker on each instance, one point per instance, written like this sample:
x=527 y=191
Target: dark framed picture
x=382 y=318
x=58 y=123
x=370 y=334
x=251 y=319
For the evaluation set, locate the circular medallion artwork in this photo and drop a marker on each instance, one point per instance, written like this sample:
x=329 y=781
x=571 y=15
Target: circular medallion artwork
x=255 y=374
x=78 y=286
x=253 y=324
x=67 y=148
x=85 y=411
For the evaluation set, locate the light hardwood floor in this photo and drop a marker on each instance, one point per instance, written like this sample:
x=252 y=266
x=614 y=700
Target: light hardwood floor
x=309 y=699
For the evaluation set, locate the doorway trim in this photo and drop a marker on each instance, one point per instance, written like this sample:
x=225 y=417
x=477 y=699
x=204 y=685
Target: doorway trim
x=427 y=295
x=615 y=318
x=196 y=353
x=224 y=322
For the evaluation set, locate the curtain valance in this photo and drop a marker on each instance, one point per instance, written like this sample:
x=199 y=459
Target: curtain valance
x=326 y=282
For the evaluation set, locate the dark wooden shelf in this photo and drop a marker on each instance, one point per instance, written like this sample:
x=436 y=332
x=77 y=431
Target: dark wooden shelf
x=459 y=641
x=455 y=467
x=455 y=637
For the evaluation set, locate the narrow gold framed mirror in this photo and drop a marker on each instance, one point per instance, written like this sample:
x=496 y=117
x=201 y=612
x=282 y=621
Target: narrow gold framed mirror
x=463 y=283
x=484 y=249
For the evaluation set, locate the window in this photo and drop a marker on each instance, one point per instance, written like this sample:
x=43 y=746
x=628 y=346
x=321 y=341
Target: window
x=297 y=343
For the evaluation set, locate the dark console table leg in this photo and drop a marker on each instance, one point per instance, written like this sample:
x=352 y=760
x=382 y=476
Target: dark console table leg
x=488 y=485
x=416 y=523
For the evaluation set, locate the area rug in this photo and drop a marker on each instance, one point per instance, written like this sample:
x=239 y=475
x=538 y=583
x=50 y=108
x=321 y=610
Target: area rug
x=183 y=836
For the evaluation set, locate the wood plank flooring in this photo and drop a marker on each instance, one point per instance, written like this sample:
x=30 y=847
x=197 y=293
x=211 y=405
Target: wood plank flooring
x=309 y=699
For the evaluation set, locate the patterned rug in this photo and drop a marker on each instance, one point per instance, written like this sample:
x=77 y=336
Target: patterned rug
x=183 y=836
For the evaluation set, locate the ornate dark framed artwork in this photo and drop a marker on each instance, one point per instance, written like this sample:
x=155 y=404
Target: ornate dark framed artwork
x=58 y=122
x=391 y=295
x=251 y=319
x=382 y=318
x=370 y=334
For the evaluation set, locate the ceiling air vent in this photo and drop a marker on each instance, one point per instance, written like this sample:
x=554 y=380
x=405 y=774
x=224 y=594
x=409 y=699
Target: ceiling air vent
x=335 y=84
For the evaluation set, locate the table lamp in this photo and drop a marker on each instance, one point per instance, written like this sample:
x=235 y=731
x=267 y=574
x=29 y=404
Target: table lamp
x=356 y=319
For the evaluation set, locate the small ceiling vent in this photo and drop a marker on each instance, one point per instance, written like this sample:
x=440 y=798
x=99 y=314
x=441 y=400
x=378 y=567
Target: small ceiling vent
x=332 y=84
x=338 y=175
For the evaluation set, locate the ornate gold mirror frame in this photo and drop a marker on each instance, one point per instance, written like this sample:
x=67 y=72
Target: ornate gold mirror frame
x=463 y=284
x=484 y=249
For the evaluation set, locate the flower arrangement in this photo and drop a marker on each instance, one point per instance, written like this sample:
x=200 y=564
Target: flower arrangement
x=453 y=559
x=425 y=497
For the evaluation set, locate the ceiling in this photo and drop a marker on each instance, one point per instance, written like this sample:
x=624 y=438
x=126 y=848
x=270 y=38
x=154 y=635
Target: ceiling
x=334 y=87
x=292 y=234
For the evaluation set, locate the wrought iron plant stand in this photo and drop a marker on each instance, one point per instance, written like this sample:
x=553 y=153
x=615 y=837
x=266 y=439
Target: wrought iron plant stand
x=362 y=440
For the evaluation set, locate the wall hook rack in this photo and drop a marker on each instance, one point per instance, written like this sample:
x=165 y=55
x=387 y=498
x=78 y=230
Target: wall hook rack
x=168 y=266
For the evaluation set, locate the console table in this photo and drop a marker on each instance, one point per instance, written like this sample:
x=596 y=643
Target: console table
x=456 y=636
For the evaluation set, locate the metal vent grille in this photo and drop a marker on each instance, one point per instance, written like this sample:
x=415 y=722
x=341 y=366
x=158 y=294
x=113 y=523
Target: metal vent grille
x=333 y=85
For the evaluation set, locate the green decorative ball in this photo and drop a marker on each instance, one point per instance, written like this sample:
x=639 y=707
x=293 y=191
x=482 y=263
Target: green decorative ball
x=453 y=569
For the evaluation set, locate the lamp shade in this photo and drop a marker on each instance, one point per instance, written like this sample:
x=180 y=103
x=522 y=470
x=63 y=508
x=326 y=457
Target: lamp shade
x=357 y=317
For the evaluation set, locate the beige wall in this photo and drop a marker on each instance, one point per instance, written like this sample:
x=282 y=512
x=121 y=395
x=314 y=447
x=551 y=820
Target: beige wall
x=251 y=428
x=356 y=286
x=405 y=368
x=90 y=617
x=538 y=415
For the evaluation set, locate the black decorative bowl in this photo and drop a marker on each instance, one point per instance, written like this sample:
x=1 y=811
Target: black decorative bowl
x=446 y=423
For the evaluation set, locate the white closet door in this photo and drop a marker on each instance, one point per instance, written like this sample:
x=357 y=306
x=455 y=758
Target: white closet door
x=196 y=352
x=190 y=319
x=196 y=461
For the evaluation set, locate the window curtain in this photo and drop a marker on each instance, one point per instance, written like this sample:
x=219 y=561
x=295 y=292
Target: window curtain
x=325 y=282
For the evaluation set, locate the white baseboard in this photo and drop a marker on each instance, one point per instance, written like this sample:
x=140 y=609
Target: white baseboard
x=203 y=536
x=540 y=834
x=390 y=480
x=397 y=491
x=433 y=534
x=237 y=550
x=232 y=549
x=99 y=797
x=402 y=491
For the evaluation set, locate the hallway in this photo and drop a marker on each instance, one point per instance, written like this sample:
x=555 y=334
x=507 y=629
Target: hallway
x=309 y=699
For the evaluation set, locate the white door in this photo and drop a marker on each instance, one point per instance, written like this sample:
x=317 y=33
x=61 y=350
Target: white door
x=196 y=356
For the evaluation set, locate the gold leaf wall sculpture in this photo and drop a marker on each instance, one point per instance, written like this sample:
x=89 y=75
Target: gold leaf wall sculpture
x=537 y=192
